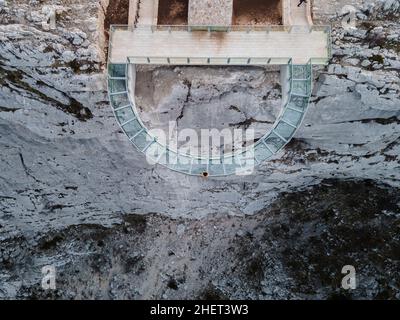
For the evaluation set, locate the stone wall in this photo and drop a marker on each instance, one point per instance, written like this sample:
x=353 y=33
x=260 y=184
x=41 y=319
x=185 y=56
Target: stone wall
x=210 y=12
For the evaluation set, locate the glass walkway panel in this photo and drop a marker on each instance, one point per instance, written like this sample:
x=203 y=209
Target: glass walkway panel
x=300 y=86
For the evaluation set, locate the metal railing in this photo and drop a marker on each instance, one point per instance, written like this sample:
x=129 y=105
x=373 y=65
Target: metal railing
x=220 y=28
x=234 y=61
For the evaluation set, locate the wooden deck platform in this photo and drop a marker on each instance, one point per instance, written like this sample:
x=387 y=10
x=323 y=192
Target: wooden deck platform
x=300 y=44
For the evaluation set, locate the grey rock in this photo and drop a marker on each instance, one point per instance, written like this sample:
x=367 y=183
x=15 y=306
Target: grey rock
x=74 y=192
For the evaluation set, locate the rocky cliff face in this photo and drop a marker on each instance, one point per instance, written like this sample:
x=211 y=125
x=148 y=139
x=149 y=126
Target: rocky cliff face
x=74 y=193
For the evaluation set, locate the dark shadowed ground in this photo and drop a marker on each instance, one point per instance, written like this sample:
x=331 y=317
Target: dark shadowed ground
x=294 y=249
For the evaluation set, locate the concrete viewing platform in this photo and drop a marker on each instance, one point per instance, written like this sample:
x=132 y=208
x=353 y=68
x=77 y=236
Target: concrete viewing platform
x=150 y=43
x=296 y=45
x=208 y=41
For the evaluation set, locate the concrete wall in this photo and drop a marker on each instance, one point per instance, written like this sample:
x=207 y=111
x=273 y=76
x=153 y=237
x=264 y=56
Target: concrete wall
x=210 y=12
